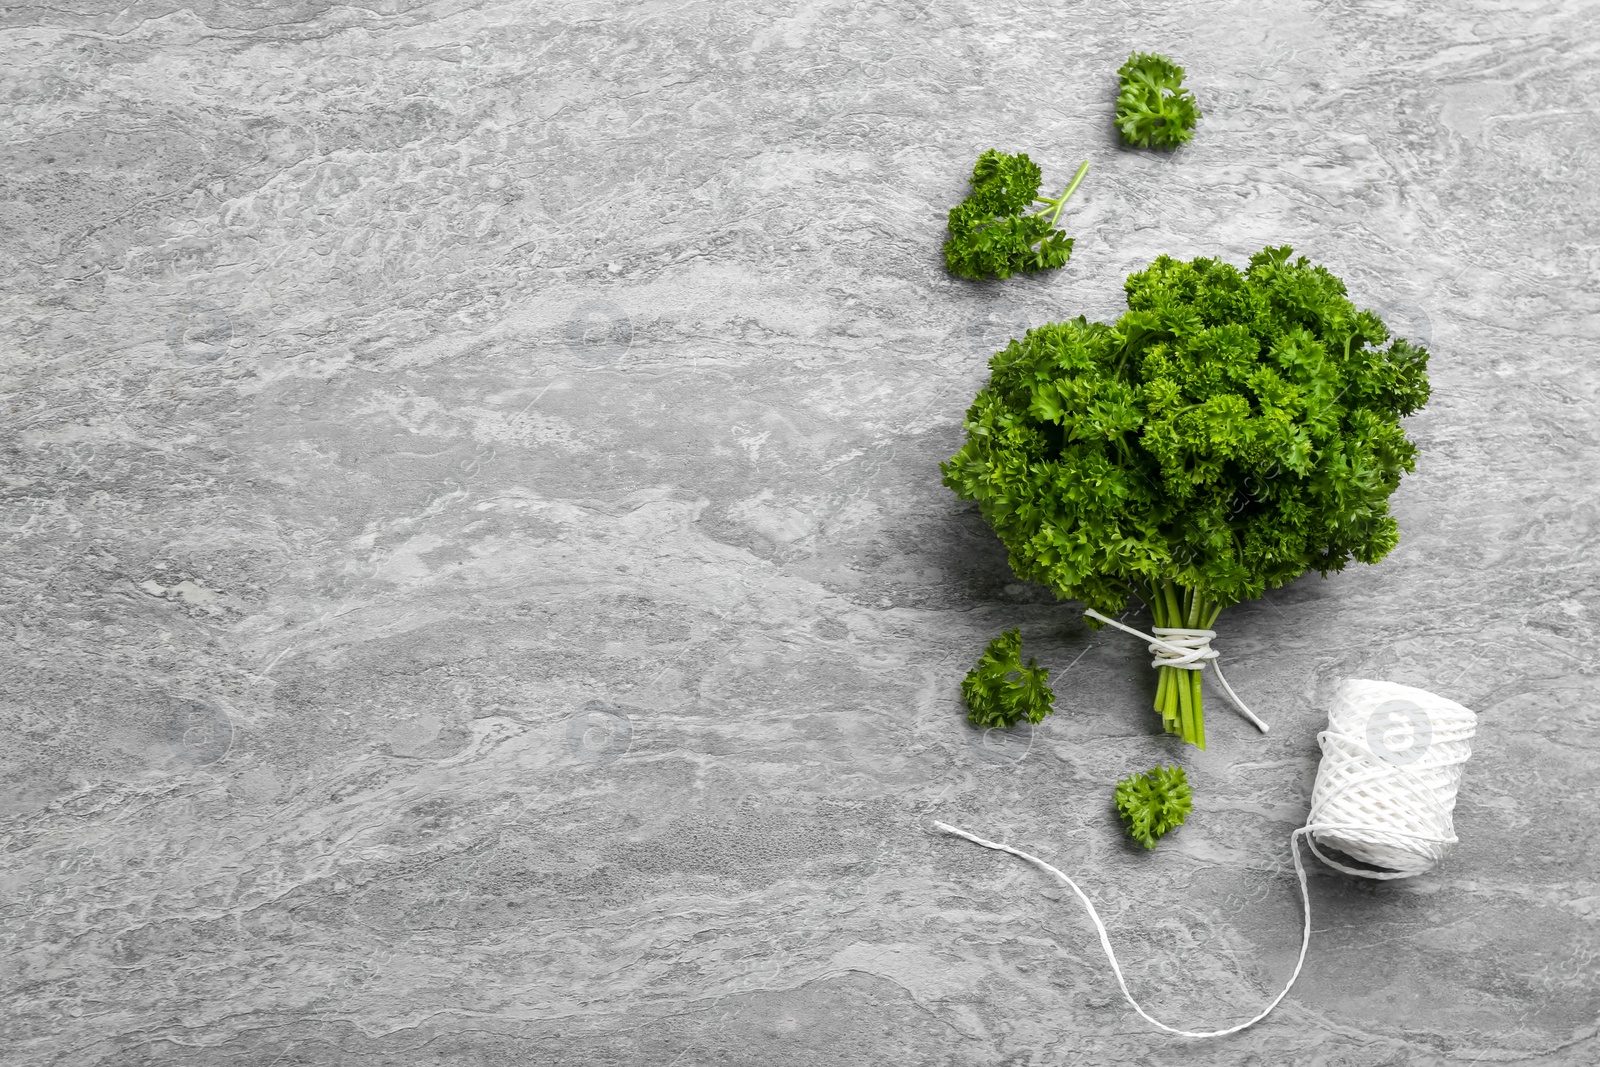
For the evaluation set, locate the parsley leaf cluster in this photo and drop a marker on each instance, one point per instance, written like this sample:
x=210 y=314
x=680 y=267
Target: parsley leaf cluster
x=994 y=233
x=1231 y=431
x=1154 y=110
x=1001 y=692
x=1153 y=803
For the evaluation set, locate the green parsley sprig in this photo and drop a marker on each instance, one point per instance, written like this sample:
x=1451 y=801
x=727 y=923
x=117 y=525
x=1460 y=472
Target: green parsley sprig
x=1154 y=110
x=1233 y=430
x=1153 y=803
x=994 y=233
x=1000 y=692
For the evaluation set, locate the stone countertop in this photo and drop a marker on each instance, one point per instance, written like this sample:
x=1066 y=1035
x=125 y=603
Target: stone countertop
x=478 y=590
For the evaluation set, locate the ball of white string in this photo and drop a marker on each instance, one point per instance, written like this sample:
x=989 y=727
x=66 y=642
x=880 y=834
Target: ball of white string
x=1386 y=788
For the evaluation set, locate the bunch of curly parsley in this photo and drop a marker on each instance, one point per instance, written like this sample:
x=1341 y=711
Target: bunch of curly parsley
x=1233 y=430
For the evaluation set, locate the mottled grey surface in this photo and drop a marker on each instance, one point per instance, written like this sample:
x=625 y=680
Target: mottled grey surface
x=477 y=587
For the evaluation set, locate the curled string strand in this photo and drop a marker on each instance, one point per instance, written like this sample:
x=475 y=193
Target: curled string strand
x=1105 y=938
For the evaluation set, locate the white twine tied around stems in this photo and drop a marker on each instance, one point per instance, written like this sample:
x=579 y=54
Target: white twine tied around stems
x=1185 y=649
x=1385 y=794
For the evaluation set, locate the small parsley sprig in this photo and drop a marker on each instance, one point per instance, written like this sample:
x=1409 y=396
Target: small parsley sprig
x=993 y=233
x=1154 y=110
x=1001 y=692
x=1153 y=803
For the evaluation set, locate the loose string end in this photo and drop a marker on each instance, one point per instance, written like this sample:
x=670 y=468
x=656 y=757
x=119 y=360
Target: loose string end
x=974 y=838
x=1246 y=712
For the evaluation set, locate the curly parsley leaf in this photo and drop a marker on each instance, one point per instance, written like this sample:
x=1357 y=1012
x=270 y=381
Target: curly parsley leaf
x=994 y=233
x=1001 y=692
x=1153 y=803
x=1154 y=110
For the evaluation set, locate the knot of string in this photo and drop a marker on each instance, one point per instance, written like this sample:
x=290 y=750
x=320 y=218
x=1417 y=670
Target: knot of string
x=1187 y=650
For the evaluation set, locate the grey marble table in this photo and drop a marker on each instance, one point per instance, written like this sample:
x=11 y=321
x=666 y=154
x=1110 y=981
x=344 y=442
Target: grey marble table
x=477 y=587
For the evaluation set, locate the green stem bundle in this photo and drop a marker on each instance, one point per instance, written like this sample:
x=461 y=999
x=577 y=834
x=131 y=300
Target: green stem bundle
x=1178 y=690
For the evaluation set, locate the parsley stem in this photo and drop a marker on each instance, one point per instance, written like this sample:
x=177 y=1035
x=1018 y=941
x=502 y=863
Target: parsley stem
x=1186 y=707
x=1199 y=610
x=1061 y=201
x=1170 y=592
x=1166 y=691
x=1199 y=712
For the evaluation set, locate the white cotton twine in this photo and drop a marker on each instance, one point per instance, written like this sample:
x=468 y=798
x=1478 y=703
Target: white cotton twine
x=1385 y=795
x=1185 y=649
